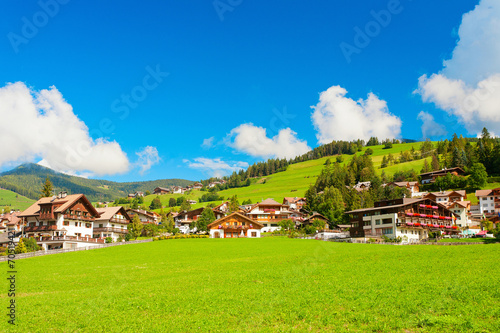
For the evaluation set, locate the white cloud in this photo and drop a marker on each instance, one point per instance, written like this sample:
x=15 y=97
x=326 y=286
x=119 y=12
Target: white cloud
x=337 y=117
x=468 y=86
x=208 y=143
x=254 y=141
x=215 y=167
x=147 y=158
x=430 y=128
x=42 y=125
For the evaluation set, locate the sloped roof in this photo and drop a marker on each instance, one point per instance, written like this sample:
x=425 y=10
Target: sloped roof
x=222 y=219
x=108 y=212
x=64 y=203
x=462 y=193
x=269 y=202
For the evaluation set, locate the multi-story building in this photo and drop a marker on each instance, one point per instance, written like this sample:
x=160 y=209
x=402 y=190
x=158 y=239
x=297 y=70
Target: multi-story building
x=430 y=177
x=461 y=209
x=410 y=219
x=489 y=201
x=112 y=222
x=145 y=216
x=446 y=196
x=63 y=221
x=412 y=186
x=269 y=213
x=294 y=202
x=235 y=225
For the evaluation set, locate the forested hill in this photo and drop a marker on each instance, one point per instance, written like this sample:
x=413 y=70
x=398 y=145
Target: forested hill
x=27 y=179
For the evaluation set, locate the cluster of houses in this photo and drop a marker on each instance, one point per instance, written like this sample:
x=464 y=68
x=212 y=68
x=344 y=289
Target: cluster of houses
x=70 y=221
x=177 y=189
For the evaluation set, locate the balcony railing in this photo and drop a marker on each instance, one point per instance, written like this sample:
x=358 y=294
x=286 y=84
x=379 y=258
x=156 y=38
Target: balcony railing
x=115 y=220
x=109 y=229
x=41 y=228
x=71 y=238
x=78 y=217
x=46 y=216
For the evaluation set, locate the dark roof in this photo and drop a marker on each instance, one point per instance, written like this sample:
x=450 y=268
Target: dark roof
x=442 y=171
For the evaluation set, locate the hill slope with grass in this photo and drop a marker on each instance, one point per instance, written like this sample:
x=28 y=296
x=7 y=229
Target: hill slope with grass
x=295 y=181
x=13 y=200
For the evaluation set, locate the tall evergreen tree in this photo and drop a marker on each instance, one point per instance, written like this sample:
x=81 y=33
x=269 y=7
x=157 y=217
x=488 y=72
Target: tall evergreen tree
x=47 y=188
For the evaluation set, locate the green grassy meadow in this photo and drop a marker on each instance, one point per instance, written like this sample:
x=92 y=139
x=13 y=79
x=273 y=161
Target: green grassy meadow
x=260 y=285
x=14 y=200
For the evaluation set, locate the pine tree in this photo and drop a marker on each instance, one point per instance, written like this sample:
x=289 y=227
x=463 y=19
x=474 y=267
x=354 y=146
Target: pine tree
x=234 y=204
x=135 y=227
x=47 y=188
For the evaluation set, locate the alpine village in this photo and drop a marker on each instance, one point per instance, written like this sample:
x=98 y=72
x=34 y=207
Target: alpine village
x=372 y=192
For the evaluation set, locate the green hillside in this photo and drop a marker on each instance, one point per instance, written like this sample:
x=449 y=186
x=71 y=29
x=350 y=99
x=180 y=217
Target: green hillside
x=14 y=200
x=27 y=179
x=298 y=177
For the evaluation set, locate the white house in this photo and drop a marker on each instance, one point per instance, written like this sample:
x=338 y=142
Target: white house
x=489 y=201
x=112 y=222
x=65 y=221
x=235 y=225
x=269 y=213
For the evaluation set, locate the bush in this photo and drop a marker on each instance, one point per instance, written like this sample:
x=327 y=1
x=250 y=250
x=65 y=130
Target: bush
x=127 y=237
x=309 y=230
x=109 y=240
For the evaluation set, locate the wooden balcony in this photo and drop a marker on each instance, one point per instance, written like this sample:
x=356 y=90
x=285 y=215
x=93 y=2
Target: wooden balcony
x=109 y=229
x=122 y=221
x=46 y=216
x=41 y=228
x=77 y=217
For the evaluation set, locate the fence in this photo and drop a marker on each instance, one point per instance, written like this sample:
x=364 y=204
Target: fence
x=44 y=253
x=360 y=241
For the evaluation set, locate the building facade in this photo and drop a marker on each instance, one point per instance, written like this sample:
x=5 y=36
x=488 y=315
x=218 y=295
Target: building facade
x=235 y=225
x=112 y=222
x=269 y=213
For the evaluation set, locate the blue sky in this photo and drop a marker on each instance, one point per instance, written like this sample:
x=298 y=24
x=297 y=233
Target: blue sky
x=225 y=72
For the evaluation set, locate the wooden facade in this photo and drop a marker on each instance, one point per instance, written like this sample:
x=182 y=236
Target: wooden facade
x=235 y=225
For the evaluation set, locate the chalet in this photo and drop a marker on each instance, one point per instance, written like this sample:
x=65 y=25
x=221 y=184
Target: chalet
x=461 y=209
x=221 y=210
x=161 y=190
x=178 y=190
x=145 y=216
x=65 y=221
x=489 y=201
x=410 y=219
x=362 y=186
x=197 y=186
x=430 y=177
x=185 y=218
x=412 y=186
x=112 y=222
x=446 y=196
x=131 y=195
x=269 y=213
x=138 y=194
x=235 y=225
x=191 y=202
x=316 y=216
x=10 y=222
x=294 y=202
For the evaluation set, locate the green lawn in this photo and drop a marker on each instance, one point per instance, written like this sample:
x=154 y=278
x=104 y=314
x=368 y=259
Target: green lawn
x=260 y=285
x=14 y=200
x=468 y=240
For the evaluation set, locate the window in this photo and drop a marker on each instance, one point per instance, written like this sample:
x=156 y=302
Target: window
x=368 y=223
x=100 y=225
x=377 y=222
x=254 y=234
x=40 y=223
x=88 y=225
x=355 y=224
x=387 y=231
x=66 y=223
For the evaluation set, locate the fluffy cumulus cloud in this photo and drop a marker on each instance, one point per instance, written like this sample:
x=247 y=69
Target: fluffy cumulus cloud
x=215 y=167
x=253 y=140
x=430 y=128
x=337 y=117
x=468 y=86
x=147 y=158
x=42 y=125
